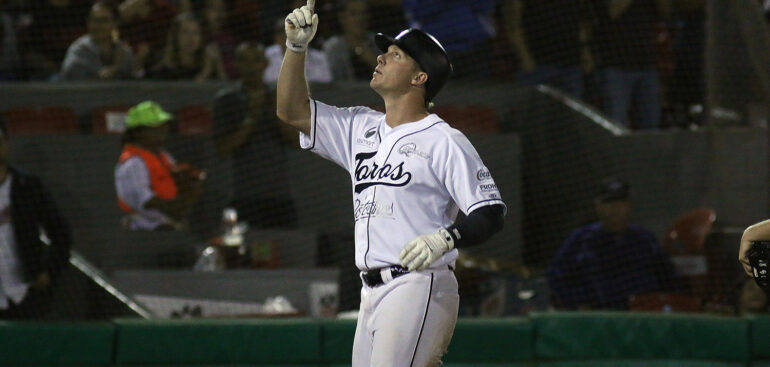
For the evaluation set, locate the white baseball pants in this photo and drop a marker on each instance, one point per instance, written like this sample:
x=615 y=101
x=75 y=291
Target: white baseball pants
x=408 y=321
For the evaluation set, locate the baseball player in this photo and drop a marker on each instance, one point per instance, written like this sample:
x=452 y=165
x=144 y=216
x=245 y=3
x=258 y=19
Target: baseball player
x=411 y=173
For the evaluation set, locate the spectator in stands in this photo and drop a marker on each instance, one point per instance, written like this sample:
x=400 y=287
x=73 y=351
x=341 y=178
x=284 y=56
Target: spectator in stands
x=688 y=81
x=215 y=16
x=10 y=61
x=316 y=65
x=246 y=133
x=99 y=55
x=55 y=24
x=352 y=55
x=766 y=9
x=35 y=242
x=187 y=55
x=144 y=25
x=604 y=263
x=624 y=44
x=465 y=28
x=155 y=191
x=549 y=38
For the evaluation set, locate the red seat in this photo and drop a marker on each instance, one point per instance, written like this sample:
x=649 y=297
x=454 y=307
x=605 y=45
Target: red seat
x=688 y=232
x=109 y=119
x=469 y=118
x=664 y=302
x=44 y=120
x=685 y=244
x=194 y=120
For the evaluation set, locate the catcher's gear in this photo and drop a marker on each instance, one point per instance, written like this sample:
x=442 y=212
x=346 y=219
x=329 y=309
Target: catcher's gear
x=422 y=251
x=759 y=258
x=301 y=25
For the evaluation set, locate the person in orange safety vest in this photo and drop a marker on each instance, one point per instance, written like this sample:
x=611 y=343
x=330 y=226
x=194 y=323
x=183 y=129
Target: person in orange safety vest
x=154 y=191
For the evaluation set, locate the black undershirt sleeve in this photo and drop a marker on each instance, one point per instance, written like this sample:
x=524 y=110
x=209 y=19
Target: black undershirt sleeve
x=478 y=226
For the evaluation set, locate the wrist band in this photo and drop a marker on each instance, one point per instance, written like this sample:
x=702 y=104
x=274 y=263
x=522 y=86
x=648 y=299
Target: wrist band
x=296 y=47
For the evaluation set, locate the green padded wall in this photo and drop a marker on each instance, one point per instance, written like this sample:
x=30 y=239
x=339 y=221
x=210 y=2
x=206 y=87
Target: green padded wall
x=218 y=342
x=491 y=341
x=337 y=341
x=606 y=335
x=476 y=342
x=760 y=336
x=640 y=363
x=56 y=344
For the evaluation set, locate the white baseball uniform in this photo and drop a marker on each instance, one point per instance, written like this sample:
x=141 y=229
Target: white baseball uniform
x=408 y=181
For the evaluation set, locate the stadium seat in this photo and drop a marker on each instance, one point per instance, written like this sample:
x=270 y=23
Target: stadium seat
x=664 y=302
x=194 y=120
x=41 y=120
x=685 y=243
x=470 y=118
x=109 y=119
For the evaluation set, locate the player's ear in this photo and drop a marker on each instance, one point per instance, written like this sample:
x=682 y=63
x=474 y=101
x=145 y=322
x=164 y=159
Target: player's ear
x=419 y=79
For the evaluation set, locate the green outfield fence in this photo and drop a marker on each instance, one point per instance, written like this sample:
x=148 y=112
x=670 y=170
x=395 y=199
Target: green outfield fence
x=552 y=339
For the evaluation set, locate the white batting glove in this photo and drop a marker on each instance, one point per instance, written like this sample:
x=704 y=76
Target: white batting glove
x=424 y=250
x=300 y=26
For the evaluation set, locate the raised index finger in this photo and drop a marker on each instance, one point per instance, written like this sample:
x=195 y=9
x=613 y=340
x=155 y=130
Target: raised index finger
x=311 y=4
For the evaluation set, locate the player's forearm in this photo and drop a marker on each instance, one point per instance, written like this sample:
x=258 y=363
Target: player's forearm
x=293 y=105
x=756 y=232
x=478 y=226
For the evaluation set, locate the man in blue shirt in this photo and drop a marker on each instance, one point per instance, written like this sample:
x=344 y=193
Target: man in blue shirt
x=602 y=264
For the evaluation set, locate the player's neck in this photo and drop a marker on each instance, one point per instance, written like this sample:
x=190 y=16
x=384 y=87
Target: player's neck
x=403 y=110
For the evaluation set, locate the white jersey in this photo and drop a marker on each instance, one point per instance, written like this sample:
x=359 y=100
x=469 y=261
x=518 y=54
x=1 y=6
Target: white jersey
x=408 y=181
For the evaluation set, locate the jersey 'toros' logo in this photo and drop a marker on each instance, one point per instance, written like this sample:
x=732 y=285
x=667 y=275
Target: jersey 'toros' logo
x=371 y=174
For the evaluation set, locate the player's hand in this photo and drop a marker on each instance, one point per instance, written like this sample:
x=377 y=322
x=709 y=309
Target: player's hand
x=424 y=250
x=301 y=25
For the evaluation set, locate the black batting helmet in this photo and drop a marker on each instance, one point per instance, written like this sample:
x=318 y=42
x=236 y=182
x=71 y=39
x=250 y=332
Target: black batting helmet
x=427 y=51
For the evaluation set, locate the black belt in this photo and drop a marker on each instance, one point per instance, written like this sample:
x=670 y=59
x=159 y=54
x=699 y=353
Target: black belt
x=373 y=278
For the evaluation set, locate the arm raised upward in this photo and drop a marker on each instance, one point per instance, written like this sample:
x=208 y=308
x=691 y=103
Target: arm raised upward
x=293 y=105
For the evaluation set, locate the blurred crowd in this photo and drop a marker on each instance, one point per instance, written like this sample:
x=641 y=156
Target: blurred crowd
x=640 y=60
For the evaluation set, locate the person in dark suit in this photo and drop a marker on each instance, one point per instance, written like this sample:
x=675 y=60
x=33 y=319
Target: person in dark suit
x=35 y=242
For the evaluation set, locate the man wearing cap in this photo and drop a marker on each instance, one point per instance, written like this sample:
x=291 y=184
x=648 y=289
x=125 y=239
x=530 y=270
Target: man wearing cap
x=411 y=174
x=604 y=263
x=152 y=189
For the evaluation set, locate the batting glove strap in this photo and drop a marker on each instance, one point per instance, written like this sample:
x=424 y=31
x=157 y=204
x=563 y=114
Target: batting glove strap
x=423 y=251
